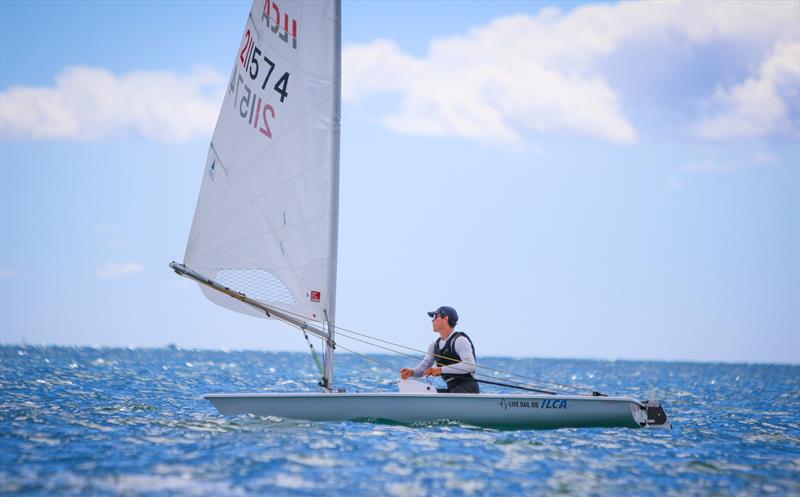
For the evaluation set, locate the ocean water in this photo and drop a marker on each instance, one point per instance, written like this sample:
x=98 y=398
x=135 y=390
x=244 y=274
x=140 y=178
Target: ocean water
x=132 y=422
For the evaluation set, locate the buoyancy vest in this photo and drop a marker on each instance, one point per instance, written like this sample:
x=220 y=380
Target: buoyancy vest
x=447 y=355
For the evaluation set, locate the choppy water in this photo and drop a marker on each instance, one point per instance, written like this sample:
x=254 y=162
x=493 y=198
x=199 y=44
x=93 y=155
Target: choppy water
x=86 y=421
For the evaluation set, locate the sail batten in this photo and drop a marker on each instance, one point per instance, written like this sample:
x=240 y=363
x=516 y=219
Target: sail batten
x=265 y=219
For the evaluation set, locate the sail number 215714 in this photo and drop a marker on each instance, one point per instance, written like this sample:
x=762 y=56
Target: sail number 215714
x=260 y=69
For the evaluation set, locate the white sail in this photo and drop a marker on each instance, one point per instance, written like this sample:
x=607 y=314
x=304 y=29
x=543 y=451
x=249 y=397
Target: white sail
x=266 y=218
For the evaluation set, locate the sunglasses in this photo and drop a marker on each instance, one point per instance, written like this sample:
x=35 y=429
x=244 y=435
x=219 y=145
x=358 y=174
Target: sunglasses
x=437 y=316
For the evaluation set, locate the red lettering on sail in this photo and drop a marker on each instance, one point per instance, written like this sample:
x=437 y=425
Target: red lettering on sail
x=271 y=16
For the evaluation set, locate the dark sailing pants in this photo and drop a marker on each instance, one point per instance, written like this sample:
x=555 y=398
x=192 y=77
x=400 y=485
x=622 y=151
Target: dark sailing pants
x=458 y=385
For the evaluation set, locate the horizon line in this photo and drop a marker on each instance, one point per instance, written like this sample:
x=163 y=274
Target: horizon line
x=176 y=347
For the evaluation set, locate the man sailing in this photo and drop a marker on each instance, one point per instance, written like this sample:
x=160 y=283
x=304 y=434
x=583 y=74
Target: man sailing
x=453 y=354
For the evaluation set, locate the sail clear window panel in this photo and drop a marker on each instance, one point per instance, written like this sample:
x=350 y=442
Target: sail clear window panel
x=257 y=284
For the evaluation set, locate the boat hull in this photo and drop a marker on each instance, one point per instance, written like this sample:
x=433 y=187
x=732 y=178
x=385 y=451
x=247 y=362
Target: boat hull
x=486 y=410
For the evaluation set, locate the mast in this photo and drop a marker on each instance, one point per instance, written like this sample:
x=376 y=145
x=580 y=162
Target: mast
x=330 y=313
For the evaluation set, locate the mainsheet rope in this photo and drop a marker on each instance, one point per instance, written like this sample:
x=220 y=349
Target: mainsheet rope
x=508 y=383
x=343 y=332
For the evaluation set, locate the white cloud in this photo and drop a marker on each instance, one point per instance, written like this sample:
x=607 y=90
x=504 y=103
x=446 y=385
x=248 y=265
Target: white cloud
x=761 y=105
x=497 y=83
x=466 y=87
x=90 y=103
x=546 y=74
x=118 y=270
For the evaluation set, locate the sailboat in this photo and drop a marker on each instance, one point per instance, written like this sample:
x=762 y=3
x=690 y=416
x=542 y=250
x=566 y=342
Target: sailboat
x=263 y=240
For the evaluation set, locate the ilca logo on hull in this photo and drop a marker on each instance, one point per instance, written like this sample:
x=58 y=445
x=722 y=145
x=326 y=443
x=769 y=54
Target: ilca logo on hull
x=533 y=404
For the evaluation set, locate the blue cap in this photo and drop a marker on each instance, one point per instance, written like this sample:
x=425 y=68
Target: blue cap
x=446 y=311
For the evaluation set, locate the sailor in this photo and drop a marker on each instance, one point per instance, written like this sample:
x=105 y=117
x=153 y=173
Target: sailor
x=453 y=354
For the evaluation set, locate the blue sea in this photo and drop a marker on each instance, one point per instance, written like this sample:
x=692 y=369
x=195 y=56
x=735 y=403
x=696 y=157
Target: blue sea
x=132 y=422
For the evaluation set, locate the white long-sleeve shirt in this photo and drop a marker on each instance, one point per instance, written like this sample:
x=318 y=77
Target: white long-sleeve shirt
x=462 y=348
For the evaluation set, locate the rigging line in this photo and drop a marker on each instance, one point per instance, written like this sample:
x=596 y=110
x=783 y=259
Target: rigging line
x=314 y=353
x=510 y=384
x=529 y=378
x=365 y=357
x=573 y=387
x=417 y=357
x=517 y=386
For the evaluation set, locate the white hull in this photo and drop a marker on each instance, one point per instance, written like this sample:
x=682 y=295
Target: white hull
x=487 y=410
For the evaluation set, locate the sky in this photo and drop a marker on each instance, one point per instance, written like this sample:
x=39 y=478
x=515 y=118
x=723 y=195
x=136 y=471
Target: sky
x=578 y=179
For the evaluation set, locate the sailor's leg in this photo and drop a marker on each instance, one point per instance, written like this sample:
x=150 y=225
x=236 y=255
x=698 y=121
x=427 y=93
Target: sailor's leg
x=464 y=386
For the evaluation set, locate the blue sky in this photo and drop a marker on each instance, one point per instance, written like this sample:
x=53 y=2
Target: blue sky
x=599 y=180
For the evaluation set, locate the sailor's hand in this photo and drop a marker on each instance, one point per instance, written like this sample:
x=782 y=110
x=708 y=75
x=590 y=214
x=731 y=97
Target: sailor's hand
x=406 y=373
x=433 y=372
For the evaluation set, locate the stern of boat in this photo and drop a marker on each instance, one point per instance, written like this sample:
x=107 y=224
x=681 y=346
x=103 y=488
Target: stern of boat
x=650 y=414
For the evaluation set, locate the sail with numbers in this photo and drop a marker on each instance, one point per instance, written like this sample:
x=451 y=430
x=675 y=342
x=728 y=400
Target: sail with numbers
x=266 y=218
